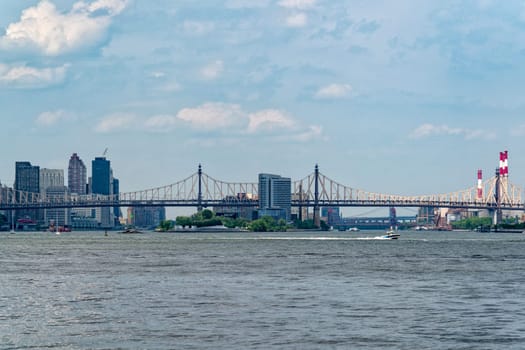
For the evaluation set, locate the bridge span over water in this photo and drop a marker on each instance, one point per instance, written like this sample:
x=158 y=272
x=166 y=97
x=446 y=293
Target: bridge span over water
x=314 y=190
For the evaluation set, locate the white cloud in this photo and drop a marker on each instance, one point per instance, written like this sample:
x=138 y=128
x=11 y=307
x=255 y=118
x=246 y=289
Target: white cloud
x=54 y=33
x=52 y=117
x=297 y=4
x=269 y=119
x=212 y=115
x=213 y=70
x=334 y=91
x=161 y=123
x=282 y=127
x=115 y=122
x=313 y=132
x=427 y=130
x=478 y=134
x=297 y=20
x=113 y=7
x=229 y=119
x=22 y=76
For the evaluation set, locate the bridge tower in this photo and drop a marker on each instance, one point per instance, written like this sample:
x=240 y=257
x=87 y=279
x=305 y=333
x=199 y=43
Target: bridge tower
x=300 y=202
x=199 y=195
x=497 y=196
x=393 y=217
x=317 y=217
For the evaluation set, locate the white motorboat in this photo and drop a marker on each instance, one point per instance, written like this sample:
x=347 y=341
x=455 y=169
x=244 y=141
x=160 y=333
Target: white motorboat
x=391 y=234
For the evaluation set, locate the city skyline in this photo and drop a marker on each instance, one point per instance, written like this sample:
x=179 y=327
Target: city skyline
x=402 y=98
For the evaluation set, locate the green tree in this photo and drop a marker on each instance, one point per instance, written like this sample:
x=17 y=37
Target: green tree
x=281 y=226
x=258 y=225
x=267 y=224
x=208 y=222
x=184 y=221
x=268 y=220
x=472 y=223
x=233 y=223
x=228 y=222
x=207 y=214
x=166 y=225
x=305 y=225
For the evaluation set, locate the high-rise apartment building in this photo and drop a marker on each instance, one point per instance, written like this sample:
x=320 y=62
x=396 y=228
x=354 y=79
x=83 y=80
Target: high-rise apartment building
x=58 y=216
x=275 y=196
x=102 y=183
x=77 y=175
x=27 y=179
x=50 y=178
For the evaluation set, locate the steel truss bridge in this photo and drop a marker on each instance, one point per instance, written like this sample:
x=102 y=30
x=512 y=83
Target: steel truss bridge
x=315 y=190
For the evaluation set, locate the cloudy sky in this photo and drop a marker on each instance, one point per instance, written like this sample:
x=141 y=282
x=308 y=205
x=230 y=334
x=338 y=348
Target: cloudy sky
x=403 y=97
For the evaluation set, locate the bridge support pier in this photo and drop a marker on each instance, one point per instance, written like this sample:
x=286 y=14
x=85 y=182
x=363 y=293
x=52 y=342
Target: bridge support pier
x=199 y=195
x=301 y=202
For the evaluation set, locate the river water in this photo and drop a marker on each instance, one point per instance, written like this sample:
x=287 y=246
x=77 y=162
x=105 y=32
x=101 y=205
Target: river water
x=430 y=290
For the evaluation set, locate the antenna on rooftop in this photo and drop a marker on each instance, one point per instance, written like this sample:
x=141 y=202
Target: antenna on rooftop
x=105 y=152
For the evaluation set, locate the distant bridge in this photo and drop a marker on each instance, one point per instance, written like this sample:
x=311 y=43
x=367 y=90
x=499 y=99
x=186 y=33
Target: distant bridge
x=315 y=190
x=376 y=222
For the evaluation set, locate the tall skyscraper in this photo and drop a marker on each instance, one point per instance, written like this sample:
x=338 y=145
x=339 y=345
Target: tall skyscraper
x=50 y=178
x=275 y=196
x=77 y=175
x=27 y=179
x=102 y=183
x=101 y=176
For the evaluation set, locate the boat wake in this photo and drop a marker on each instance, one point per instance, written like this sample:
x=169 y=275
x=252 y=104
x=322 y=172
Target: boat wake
x=295 y=238
x=325 y=238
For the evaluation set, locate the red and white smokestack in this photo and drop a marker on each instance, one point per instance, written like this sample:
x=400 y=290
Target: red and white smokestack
x=504 y=163
x=501 y=163
x=480 y=188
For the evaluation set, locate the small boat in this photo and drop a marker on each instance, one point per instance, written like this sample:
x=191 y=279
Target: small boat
x=130 y=230
x=391 y=234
